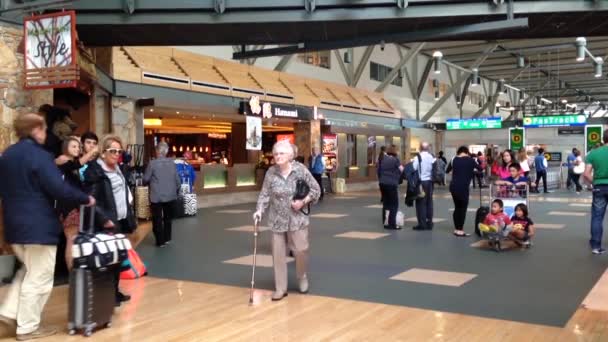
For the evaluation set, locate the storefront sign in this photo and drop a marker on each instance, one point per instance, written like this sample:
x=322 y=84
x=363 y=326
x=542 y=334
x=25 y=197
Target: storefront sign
x=254 y=133
x=555 y=120
x=289 y=137
x=553 y=156
x=50 y=51
x=330 y=145
x=571 y=131
x=593 y=136
x=268 y=110
x=217 y=136
x=517 y=138
x=360 y=124
x=483 y=123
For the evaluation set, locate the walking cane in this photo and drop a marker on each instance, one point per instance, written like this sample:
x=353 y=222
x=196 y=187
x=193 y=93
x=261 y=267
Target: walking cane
x=255 y=250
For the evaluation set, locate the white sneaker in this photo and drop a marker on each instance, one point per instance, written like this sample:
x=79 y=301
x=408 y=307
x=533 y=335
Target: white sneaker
x=304 y=285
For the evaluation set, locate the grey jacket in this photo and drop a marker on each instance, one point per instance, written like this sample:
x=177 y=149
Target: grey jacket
x=164 y=182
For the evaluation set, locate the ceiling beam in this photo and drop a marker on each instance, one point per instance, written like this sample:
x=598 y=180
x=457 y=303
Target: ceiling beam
x=423 y=78
x=362 y=64
x=399 y=37
x=445 y=97
x=395 y=71
x=343 y=67
x=283 y=63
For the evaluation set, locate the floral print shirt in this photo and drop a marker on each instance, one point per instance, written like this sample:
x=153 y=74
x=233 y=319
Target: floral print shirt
x=277 y=195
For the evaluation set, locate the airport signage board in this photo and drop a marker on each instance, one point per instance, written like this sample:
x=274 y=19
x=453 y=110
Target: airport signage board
x=481 y=123
x=567 y=120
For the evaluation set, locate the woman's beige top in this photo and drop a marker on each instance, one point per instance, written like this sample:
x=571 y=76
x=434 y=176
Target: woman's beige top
x=277 y=195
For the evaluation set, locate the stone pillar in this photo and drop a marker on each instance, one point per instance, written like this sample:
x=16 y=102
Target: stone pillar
x=101 y=112
x=15 y=100
x=307 y=135
x=439 y=141
x=128 y=120
x=407 y=144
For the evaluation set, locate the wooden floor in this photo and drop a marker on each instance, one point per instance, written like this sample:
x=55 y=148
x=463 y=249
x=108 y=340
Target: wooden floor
x=170 y=310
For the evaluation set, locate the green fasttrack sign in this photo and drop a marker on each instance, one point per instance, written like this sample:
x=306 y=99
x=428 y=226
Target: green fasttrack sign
x=482 y=123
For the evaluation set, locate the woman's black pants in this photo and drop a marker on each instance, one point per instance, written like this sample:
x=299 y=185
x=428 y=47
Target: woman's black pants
x=461 y=204
x=390 y=202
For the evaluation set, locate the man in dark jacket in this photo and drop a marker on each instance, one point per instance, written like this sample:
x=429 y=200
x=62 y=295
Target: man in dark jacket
x=29 y=184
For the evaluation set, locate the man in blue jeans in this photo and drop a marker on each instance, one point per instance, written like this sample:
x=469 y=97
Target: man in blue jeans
x=596 y=172
x=424 y=206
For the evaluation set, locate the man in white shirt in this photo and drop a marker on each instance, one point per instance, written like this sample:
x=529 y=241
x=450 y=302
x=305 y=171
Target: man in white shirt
x=424 y=206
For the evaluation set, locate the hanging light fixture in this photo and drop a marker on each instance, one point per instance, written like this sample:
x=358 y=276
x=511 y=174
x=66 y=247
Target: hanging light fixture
x=521 y=95
x=475 y=78
x=599 y=64
x=347 y=57
x=437 y=57
x=581 y=45
x=458 y=100
x=501 y=86
x=521 y=62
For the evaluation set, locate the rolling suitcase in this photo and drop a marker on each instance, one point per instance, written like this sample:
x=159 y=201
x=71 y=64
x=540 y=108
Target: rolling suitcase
x=480 y=215
x=92 y=292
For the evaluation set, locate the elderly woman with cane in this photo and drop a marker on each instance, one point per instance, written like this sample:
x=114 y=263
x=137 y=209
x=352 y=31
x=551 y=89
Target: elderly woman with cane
x=286 y=218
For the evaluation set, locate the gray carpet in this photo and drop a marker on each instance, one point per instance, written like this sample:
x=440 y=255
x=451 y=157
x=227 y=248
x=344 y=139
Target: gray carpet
x=542 y=285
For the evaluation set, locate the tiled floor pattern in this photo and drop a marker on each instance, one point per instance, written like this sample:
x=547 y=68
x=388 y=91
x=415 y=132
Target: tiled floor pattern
x=248 y=228
x=262 y=260
x=567 y=213
x=434 y=277
x=361 y=235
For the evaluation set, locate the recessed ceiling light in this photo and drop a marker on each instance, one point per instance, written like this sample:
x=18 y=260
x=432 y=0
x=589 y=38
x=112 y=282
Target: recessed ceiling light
x=177 y=112
x=151 y=109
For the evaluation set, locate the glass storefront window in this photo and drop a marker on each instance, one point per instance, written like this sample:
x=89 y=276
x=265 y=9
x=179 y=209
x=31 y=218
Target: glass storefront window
x=317 y=58
x=371 y=150
x=351 y=149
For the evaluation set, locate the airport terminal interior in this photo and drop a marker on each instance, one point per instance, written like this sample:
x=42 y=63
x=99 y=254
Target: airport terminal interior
x=250 y=99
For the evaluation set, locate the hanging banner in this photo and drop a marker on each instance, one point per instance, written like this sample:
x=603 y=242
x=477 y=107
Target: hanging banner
x=330 y=145
x=593 y=136
x=517 y=138
x=254 y=133
x=50 y=51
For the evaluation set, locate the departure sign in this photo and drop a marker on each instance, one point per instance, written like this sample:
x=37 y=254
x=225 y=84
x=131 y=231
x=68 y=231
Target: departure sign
x=484 y=123
x=555 y=120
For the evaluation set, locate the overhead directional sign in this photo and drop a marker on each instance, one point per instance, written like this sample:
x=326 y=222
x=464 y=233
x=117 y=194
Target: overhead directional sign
x=481 y=123
x=555 y=120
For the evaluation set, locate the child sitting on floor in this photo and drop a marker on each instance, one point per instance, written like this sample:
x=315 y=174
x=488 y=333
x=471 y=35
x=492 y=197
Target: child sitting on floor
x=496 y=220
x=522 y=226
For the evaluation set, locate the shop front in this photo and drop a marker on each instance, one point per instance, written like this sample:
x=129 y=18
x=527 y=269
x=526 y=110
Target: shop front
x=227 y=153
x=352 y=142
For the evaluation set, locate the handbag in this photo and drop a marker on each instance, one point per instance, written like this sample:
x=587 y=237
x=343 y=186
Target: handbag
x=133 y=266
x=579 y=169
x=302 y=190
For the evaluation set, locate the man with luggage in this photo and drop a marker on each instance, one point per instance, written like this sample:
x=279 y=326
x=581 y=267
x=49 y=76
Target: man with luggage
x=596 y=173
x=29 y=184
x=423 y=164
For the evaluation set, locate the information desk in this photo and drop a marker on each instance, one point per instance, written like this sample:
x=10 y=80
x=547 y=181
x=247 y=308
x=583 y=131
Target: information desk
x=218 y=178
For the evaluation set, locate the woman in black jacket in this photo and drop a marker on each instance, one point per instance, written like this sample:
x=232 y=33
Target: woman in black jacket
x=463 y=169
x=107 y=184
x=389 y=178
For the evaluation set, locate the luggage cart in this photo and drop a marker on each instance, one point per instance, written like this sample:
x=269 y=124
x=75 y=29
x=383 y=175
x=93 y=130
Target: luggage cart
x=511 y=196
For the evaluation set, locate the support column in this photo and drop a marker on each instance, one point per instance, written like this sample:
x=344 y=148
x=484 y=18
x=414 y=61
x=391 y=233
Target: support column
x=128 y=121
x=439 y=141
x=15 y=100
x=101 y=118
x=307 y=135
x=407 y=132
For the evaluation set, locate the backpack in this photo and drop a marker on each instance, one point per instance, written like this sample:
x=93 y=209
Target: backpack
x=438 y=170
